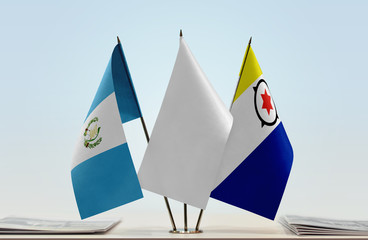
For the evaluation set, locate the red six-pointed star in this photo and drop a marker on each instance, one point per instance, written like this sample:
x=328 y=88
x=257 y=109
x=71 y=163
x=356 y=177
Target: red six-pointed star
x=266 y=102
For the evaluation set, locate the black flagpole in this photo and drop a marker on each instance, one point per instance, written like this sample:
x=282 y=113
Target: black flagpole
x=199 y=220
x=185 y=205
x=147 y=138
x=165 y=198
x=241 y=71
x=185 y=218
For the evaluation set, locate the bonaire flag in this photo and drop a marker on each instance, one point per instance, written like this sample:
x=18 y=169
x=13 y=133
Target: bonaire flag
x=103 y=173
x=258 y=155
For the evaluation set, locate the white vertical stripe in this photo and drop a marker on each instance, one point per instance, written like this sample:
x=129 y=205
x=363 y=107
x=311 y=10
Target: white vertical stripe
x=111 y=131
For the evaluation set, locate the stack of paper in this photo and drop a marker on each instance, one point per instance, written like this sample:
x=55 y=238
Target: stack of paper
x=42 y=226
x=322 y=226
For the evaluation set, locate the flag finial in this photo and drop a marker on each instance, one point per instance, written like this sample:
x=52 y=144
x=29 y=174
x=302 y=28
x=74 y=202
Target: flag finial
x=118 y=39
x=181 y=33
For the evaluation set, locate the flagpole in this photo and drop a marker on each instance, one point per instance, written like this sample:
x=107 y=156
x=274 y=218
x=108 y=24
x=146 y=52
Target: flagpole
x=241 y=71
x=199 y=220
x=185 y=218
x=165 y=198
x=147 y=138
x=170 y=213
x=185 y=205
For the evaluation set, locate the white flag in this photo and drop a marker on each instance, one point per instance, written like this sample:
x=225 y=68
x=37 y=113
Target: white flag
x=184 y=153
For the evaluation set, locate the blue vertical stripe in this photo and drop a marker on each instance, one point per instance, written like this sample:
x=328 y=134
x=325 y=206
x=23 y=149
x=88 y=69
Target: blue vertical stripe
x=117 y=79
x=258 y=183
x=105 y=181
x=104 y=90
x=124 y=88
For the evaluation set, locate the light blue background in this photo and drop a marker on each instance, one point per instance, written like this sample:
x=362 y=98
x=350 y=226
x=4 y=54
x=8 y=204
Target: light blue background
x=313 y=55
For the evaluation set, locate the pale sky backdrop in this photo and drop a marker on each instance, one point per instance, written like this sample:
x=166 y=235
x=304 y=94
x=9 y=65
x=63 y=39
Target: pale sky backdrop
x=312 y=53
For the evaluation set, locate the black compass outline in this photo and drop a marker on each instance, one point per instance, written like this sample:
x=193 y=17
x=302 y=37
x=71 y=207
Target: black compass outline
x=255 y=105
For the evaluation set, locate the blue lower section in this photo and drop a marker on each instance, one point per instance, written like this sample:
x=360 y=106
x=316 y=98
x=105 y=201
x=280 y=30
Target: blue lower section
x=258 y=183
x=105 y=181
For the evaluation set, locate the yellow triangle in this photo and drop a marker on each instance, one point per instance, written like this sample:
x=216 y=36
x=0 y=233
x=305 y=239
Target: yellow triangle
x=249 y=72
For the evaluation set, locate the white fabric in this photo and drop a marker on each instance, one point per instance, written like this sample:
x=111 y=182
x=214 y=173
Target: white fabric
x=246 y=133
x=184 y=153
x=111 y=131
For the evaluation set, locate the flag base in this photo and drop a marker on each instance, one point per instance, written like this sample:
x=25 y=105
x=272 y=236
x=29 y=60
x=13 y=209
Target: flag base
x=182 y=231
x=185 y=230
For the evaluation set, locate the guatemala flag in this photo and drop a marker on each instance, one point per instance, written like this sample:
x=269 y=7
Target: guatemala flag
x=258 y=155
x=103 y=173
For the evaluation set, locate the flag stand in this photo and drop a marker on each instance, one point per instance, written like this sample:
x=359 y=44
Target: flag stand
x=186 y=230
